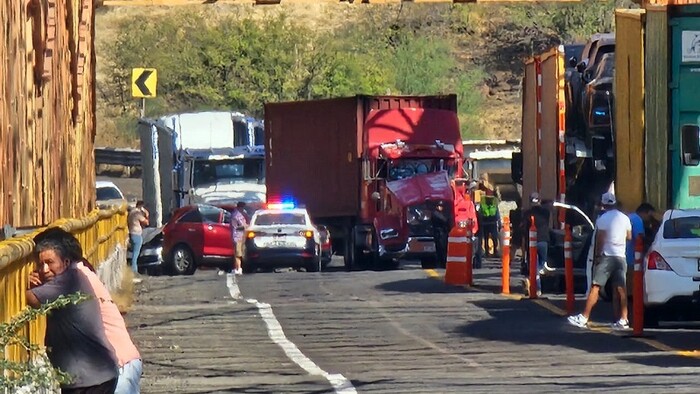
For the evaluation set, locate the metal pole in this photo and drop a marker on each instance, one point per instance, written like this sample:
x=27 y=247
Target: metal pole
x=143 y=107
x=533 y=258
x=569 y=271
x=638 y=288
x=505 y=258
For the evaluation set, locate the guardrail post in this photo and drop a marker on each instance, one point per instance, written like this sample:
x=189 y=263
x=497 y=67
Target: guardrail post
x=638 y=288
x=505 y=258
x=533 y=258
x=569 y=271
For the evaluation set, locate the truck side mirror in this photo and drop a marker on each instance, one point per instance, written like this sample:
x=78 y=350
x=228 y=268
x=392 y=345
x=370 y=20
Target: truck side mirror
x=581 y=67
x=690 y=135
x=516 y=167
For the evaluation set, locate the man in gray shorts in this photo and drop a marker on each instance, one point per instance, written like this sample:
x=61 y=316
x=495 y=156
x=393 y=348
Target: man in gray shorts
x=613 y=230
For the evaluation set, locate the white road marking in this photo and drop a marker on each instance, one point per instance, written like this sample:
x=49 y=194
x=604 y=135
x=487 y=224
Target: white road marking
x=340 y=383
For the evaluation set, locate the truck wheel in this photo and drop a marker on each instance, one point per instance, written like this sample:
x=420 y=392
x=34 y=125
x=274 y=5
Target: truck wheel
x=182 y=261
x=427 y=263
x=350 y=251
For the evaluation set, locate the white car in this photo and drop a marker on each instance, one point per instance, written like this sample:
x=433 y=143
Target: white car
x=672 y=267
x=282 y=235
x=108 y=194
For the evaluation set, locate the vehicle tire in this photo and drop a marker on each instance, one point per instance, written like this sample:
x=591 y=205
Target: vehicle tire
x=314 y=266
x=441 y=248
x=350 y=253
x=427 y=263
x=248 y=268
x=182 y=261
x=651 y=317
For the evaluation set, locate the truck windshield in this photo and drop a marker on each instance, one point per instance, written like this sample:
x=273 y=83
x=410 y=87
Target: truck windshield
x=228 y=171
x=406 y=168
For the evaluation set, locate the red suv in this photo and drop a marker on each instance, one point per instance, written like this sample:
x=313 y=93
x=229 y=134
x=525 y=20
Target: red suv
x=197 y=235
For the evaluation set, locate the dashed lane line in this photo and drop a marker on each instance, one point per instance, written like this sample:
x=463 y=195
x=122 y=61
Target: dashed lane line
x=340 y=384
x=548 y=305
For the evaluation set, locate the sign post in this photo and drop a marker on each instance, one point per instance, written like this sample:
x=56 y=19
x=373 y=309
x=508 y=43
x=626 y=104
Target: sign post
x=144 y=82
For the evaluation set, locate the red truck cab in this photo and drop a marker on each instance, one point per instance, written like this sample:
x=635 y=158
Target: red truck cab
x=377 y=171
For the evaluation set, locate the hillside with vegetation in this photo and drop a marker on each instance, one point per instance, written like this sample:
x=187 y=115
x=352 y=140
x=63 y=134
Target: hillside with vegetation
x=239 y=57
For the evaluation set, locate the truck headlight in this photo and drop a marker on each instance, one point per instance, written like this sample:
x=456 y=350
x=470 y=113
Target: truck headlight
x=417 y=215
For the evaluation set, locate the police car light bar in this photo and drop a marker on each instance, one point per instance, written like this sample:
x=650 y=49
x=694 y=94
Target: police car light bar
x=281 y=205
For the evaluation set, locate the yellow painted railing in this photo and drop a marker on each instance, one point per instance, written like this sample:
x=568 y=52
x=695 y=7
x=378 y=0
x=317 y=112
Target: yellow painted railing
x=99 y=233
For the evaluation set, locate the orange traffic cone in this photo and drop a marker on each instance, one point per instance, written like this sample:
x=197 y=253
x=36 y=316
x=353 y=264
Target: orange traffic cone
x=457 y=261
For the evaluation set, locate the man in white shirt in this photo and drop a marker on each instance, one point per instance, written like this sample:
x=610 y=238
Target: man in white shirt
x=613 y=230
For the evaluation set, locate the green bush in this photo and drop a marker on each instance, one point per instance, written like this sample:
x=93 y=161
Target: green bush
x=240 y=63
x=36 y=374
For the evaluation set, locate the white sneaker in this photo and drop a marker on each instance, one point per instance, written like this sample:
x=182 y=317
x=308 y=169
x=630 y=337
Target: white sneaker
x=238 y=271
x=137 y=280
x=578 y=321
x=221 y=273
x=621 y=325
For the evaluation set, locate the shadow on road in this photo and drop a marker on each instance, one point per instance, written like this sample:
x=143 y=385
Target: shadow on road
x=524 y=322
x=422 y=285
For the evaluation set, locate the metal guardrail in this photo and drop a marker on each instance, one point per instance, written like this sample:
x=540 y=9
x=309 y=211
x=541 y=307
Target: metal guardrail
x=118 y=156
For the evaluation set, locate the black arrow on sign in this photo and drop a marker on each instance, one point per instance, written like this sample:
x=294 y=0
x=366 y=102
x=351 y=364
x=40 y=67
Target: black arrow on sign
x=141 y=82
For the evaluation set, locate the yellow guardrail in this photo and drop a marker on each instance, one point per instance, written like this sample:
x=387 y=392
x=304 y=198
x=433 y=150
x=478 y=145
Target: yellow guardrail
x=99 y=233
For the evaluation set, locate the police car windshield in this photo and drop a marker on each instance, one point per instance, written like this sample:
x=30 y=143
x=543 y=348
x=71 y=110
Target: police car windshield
x=269 y=219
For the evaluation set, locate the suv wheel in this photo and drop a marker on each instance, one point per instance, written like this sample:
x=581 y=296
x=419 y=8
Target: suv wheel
x=182 y=261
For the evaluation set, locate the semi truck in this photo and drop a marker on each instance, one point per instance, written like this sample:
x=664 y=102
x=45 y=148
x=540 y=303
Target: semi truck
x=202 y=157
x=376 y=170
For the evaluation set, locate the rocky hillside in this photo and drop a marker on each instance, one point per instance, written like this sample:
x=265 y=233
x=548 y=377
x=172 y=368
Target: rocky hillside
x=490 y=37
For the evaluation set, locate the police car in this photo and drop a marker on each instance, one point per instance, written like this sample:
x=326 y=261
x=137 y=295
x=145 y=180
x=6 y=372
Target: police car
x=282 y=235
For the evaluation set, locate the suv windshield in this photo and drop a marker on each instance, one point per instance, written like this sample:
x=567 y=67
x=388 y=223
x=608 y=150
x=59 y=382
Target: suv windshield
x=268 y=219
x=685 y=227
x=108 y=193
x=237 y=170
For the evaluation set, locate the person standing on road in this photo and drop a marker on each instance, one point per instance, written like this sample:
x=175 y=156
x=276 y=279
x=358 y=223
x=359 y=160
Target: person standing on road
x=238 y=225
x=75 y=336
x=128 y=357
x=613 y=231
x=137 y=220
x=490 y=223
x=542 y=217
x=639 y=218
x=477 y=197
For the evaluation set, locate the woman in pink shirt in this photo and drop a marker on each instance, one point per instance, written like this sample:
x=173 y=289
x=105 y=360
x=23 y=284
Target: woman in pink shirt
x=130 y=364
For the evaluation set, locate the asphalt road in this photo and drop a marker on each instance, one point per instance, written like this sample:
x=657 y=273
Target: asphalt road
x=387 y=332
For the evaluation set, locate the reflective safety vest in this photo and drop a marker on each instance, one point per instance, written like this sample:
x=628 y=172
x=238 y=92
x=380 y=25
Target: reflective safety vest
x=488 y=210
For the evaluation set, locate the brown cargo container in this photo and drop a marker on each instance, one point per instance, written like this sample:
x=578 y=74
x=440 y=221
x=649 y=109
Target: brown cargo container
x=313 y=149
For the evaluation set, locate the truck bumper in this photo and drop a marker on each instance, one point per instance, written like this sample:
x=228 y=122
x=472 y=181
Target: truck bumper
x=420 y=247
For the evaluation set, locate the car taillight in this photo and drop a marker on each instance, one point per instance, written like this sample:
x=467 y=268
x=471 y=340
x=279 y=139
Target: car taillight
x=307 y=233
x=656 y=262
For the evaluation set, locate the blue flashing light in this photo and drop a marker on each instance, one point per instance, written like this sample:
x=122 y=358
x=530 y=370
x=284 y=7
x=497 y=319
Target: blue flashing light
x=281 y=205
